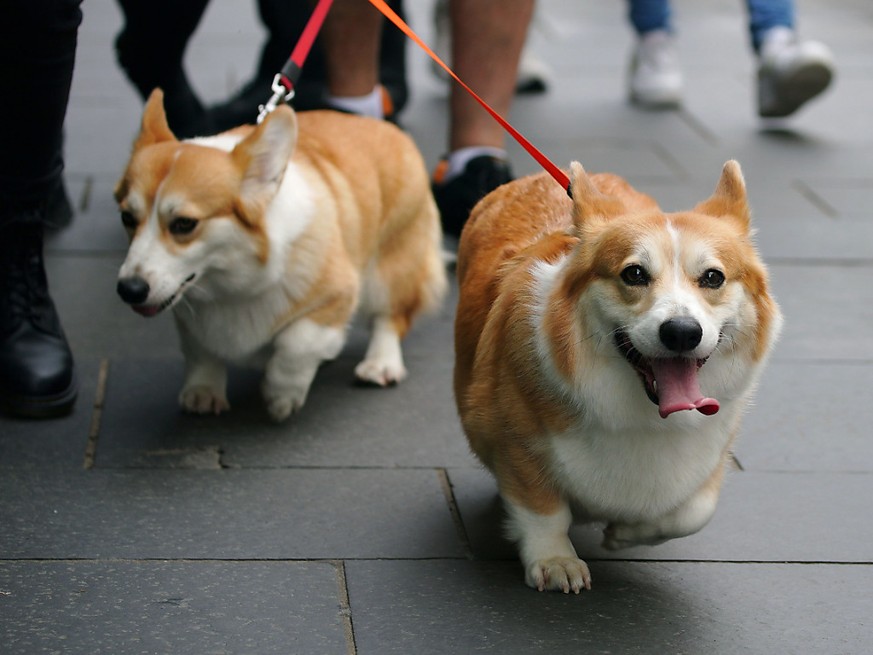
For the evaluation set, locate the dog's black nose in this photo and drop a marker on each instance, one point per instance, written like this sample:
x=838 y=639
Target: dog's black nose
x=133 y=290
x=681 y=334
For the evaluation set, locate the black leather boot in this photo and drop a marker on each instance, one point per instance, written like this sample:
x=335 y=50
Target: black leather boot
x=36 y=366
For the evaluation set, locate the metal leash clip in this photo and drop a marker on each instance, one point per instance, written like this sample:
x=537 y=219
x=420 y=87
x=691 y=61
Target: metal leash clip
x=280 y=94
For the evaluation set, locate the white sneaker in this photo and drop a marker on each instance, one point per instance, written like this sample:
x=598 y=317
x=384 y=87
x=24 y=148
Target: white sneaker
x=790 y=72
x=655 y=76
x=534 y=75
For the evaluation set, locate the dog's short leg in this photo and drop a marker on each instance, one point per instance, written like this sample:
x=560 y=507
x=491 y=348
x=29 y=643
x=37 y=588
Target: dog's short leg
x=383 y=363
x=299 y=350
x=688 y=518
x=205 y=388
x=549 y=559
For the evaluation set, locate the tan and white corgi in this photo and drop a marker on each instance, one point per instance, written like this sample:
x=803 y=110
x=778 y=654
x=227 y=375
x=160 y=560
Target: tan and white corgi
x=586 y=329
x=265 y=240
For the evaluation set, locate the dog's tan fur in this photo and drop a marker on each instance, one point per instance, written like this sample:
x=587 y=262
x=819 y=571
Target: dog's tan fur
x=537 y=273
x=299 y=221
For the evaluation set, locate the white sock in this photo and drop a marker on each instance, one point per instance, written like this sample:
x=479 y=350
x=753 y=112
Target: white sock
x=777 y=37
x=458 y=159
x=366 y=105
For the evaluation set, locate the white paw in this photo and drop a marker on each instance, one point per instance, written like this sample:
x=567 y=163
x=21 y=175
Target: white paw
x=281 y=404
x=200 y=399
x=617 y=536
x=381 y=373
x=558 y=574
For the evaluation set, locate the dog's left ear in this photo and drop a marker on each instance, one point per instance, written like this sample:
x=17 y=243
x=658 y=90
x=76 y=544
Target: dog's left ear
x=262 y=157
x=589 y=203
x=155 y=128
x=730 y=197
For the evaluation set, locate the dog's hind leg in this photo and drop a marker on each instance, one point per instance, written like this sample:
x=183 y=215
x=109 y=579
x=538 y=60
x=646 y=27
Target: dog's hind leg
x=383 y=363
x=407 y=278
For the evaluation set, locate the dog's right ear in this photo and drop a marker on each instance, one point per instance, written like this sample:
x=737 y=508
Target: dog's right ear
x=262 y=158
x=155 y=128
x=730 y=198
x=589 y=203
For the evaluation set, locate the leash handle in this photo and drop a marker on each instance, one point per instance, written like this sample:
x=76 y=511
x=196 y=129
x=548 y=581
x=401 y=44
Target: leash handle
x=284 y=81
x=559 y=175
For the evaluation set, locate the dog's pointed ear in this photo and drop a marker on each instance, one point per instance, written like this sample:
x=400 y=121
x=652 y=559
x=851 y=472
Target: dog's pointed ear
x=263 y=156
x=589 y=203
x=730 y=197
x=155 y=128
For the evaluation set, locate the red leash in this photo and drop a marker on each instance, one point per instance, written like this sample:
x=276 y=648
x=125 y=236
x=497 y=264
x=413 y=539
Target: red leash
x=559 y=175
x=283 y=83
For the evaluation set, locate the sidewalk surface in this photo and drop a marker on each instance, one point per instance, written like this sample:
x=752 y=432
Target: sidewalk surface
x=363 y=525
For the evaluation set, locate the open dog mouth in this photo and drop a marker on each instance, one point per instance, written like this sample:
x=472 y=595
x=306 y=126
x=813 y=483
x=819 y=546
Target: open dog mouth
x=152 y=310
x=670 y=382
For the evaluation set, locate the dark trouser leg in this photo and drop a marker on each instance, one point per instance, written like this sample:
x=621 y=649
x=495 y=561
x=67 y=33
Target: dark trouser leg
x=285 y=20
x=36 y=365
x=150 y=49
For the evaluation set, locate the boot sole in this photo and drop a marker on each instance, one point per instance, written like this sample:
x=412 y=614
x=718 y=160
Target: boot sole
x=41 y=406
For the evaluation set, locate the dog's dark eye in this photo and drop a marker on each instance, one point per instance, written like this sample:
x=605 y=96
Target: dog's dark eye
x=711 y=279
x=635 y=276
x=182 y=225
x=128 y=220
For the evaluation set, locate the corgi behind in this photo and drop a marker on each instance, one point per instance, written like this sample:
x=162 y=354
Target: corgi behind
x=605 y=352
x=265 y=240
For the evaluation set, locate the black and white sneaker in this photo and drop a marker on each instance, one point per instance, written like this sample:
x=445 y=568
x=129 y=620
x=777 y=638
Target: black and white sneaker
x=456 y=197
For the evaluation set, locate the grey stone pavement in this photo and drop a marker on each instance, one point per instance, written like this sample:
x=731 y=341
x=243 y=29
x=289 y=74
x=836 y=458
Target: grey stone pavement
x=363 y=525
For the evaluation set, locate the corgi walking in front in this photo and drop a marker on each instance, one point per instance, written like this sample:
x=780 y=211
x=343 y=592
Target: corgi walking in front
x=605 y=352
x=265 y=240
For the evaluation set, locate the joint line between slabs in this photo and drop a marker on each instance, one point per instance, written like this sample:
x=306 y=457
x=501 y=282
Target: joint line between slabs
x=96 y=415
x=454 y=511
x=345 y=607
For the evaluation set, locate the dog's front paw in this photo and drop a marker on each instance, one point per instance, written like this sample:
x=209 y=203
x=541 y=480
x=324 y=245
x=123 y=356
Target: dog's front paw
x=380 y=373
x=280 y=409
x=558 y=574
x=200 y=399
x=617 y=536
x=280 y=405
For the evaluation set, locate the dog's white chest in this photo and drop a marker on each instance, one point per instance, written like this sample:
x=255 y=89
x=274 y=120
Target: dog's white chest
x=235 y=332
x=636 y=475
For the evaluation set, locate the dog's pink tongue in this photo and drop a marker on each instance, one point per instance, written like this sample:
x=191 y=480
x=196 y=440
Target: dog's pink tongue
x=145 y=310
x=678 y=388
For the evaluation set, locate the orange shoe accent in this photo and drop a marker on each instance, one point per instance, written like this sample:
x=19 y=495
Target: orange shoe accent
x=559 y=175
x=387 y=103
x=439 y=173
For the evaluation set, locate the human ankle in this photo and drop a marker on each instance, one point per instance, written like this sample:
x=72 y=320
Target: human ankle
x=370 y=104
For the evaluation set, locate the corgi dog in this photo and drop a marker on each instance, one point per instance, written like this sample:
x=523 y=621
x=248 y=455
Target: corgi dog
x=605 y=352
x=265 y=240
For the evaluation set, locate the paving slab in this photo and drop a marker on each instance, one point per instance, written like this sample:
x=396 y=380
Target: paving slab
x=761 y=517
x=342 y=424
x=59 y=443
x=810 y=416
x=225 y=514
x=484 y=607
x=846 y=197
x=828 y=312
x=124 y=607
